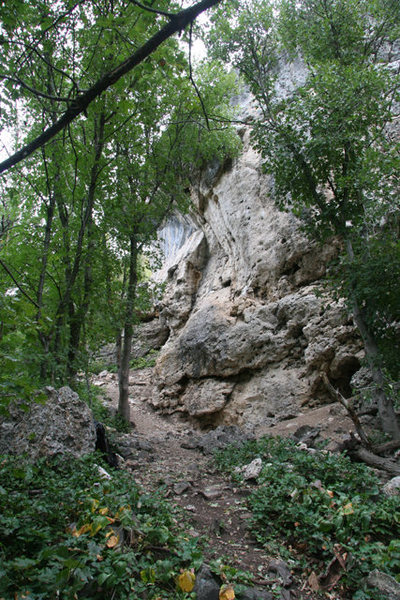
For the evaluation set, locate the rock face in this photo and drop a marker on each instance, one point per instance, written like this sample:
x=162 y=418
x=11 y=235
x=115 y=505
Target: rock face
x=63 y=425
x=249 y=332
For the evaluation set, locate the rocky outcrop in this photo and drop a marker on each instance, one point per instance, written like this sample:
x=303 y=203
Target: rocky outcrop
x=250 y=331
x=62 y=424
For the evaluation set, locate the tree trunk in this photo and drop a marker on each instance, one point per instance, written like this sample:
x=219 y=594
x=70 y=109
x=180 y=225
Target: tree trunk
x=386 y=410
x=123 y=367
x=377 y=462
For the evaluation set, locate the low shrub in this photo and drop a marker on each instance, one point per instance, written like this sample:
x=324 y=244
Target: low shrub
x=143 y=362
x=67 y=533
x=323 y=506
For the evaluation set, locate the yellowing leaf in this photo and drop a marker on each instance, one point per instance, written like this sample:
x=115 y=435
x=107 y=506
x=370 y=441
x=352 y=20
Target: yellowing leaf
x=226 y=593
x=95 y=504
x=186 y=581
x=103 y=511
x=94 y=528
x=84 y=529
x=348 y=509
x=112 y=541
x=121 y=510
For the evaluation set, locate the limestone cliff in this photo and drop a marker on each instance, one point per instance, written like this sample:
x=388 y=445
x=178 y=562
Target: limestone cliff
x=249 y=335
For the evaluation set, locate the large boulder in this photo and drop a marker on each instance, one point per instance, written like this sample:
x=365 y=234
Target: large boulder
x=63 y=424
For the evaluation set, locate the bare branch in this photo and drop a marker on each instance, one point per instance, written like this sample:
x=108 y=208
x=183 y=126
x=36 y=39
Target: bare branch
x=7 y=270
x=31 y=89
x=83 y=100
x=193 y=81
x=349 y=407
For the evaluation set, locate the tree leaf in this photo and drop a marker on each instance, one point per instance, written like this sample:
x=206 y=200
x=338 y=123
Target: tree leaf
x=186 y=581
x=226 y=593
x=112 y=541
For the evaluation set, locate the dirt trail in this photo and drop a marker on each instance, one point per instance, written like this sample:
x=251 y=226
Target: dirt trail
x=215 y=507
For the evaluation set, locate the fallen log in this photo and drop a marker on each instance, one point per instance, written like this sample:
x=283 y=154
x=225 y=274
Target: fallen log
x=373 y=460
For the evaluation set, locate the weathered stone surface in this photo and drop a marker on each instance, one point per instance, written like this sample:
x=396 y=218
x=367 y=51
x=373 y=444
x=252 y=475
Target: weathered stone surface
x=244 y=308
x=149 y=336
x=206 y=397
x=186 y=274
x=252 y=470
x=63 y=425
x=206 y=586
x=392 y=487
x=387 y=585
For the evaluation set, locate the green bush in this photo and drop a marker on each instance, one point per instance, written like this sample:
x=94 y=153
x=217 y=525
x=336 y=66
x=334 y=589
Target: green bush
x=66 y=533
x=143 y=362
x=320 y=504
x=92 y=395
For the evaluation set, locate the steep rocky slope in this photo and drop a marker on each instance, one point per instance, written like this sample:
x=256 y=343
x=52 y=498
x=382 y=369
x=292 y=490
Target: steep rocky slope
x=249 y=332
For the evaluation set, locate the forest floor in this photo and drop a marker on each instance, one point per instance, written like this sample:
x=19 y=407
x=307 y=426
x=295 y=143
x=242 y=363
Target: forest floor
x=215 y=507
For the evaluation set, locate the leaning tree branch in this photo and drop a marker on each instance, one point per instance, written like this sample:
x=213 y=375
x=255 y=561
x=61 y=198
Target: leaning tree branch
x=80 y=104
x=349 y=407
x=19 y=81
x=192 y=79
x=7 y=270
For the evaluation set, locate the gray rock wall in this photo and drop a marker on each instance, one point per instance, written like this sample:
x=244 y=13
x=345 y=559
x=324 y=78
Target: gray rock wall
x=249 y=335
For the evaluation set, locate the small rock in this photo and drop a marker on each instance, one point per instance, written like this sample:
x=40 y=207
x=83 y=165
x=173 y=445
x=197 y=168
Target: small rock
x=255 y=594
x=144 y=445
x=191 y=443
x=103 y=374
x=306 y=434
x=206 y=587
x=212 y=492
x=252 y=470
x=392 y=487
x=181 y=487
x=282 y=569
x=103 y=473
x=386 y=584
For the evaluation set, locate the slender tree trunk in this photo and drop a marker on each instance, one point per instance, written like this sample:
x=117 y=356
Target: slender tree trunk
x=386 y=410
x=66 y=343
x=79 y=316
x=53 y=189
x=123 y=367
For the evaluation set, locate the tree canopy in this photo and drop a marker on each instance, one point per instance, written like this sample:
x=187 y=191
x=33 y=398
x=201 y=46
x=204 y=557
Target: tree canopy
x=78 y=215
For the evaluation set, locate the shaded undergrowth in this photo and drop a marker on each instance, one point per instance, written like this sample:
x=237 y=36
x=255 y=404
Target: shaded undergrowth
x=322 y=512
x=68 y=533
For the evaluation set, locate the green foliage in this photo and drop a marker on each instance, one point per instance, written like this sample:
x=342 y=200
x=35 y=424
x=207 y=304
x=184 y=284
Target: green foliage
x=94 y=397
x=76 y=223
x=69 y=532
x=373 y=278
x=97 y=366
x=320 y=503
x=143 y=362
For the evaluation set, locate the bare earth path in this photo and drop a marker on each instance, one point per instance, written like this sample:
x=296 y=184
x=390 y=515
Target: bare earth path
x=215 y=508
